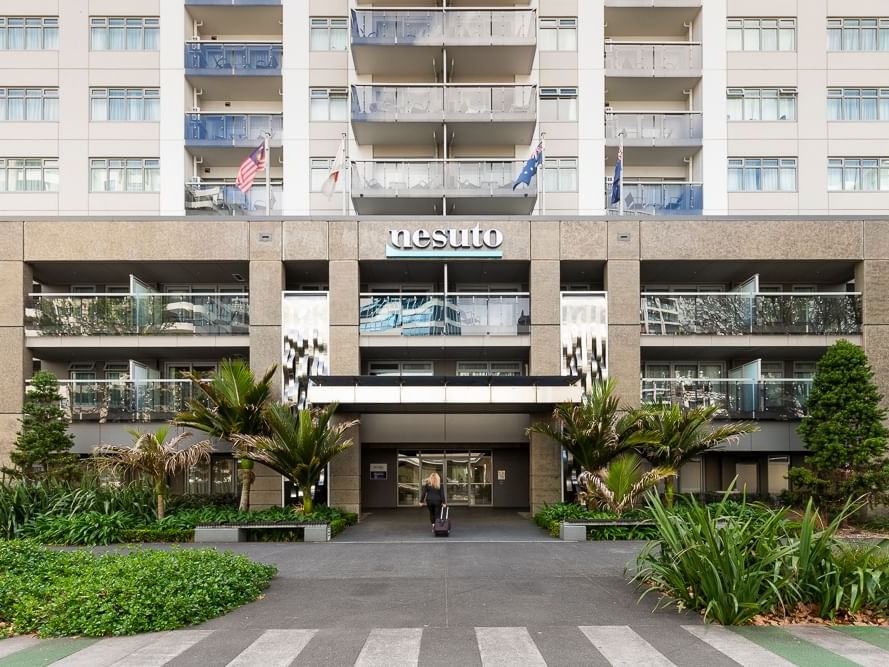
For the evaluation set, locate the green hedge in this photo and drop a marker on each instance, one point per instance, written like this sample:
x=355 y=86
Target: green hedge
x=157 y=535
x=59 y=593
x=551 y=516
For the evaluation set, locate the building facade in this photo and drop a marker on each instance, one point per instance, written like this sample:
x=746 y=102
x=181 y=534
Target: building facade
x=430 y=295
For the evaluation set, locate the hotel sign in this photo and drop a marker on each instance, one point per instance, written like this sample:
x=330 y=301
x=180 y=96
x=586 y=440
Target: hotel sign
x=474 y=242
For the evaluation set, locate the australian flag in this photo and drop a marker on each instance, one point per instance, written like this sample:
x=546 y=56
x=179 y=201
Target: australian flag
x=530 y=169
x=618 y=170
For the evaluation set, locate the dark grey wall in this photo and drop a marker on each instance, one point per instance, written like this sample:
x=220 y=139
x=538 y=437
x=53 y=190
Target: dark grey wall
x=377 y=493
x=515 y=490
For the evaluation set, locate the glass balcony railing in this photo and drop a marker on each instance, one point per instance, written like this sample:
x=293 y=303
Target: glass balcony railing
x=646 y=59
x=659 y=198
x=435 y=314
x=210 y=129
x=437 y=103
x=397 y=179
x=736 y=314
x=227 y=59
x=781 y=399
x=489 y=178
x=125 y=400
x=218 y=198
x=454 y=27
x=178 y=314
x=682 y=128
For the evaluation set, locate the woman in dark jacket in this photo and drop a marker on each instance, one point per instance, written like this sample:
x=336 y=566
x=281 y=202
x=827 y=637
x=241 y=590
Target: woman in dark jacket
x=433 y=496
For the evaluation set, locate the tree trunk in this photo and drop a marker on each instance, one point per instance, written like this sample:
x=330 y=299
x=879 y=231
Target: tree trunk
x=246 y=476
x=160 y=491
x=668 y=491
x=307 y=500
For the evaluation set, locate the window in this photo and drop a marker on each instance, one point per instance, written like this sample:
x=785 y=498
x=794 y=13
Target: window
x=214 y=477
x=328 y=35
x=320 y=168
x=858 y=104
x=489 y=368
x=134 y=104
x=557 y=35
x=857 y=174
x=29 y=175
x=17 y=104
x=762 y=104
x=328 y=104
x=400 y=368
x=31 y=33
x=124 y=34
x=560 y=174
x=558 y=104
x=125 y=175
x=754 y=174
x=858 y=34
x=761 y=35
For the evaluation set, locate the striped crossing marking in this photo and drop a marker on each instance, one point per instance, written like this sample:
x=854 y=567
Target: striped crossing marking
x=274 y=648
x=391 y=647
x=623 y=647
x=855 y=650
x=505 y=647
x=107 y=651
x=743 y=651
x=165 y=647
x=16 y=644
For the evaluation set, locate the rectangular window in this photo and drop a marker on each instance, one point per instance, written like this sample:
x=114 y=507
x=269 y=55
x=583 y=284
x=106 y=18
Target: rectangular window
x=132 y=104
x=558 y=35
x=26 y=104
x=328 y=34
x=39 y=33
x=857 y=174
x=864 y=104
x=125 y=175
x=29 y=175
x=489 y=368
x=751 y=174
x=558 y=104
x=761 y=34
x=328 y=104
x=319 y=169
x=859 y=34
x=761 y=104
x=560 y=174
x=124 y=33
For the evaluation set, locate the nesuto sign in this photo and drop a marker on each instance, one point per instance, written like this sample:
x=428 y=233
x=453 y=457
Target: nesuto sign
x=474 y=242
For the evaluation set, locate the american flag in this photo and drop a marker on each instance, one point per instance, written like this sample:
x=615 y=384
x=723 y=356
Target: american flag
x=247 y=172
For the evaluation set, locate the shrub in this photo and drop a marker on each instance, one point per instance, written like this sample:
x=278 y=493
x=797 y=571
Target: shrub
x=152 y=534
x=194 y=501
x=551 y=516
x=55 y=593
x=89 y=528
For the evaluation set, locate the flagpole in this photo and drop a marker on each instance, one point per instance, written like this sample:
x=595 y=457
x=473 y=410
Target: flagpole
x=345 y=173
x=268 y=173
x=542 y=179
x=620 y=185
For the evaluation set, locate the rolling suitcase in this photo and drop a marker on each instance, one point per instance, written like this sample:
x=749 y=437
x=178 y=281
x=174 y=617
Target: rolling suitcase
x=442 y=527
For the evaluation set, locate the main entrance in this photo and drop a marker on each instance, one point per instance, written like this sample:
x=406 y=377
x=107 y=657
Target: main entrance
x=468 y=475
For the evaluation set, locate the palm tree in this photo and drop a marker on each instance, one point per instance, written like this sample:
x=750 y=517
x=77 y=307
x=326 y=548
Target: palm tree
x=682 y=435
x=594 y=431
x=618 y=487
x=299 y=446
x=152 y=455
x=232 y=404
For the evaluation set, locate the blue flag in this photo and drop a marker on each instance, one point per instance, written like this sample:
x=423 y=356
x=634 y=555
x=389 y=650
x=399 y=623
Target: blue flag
x=530 y=169
x=618 y=170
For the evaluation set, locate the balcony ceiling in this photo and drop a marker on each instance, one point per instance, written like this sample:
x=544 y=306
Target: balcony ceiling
x=100 y=351
x=118 y=273
x=223 y=21
x=467 y=132
x=622 y=23
x=729 y=272
x=233 y=157
x=431 y=272
x=647 y=89
x=426 y=61
x=438 y=3
x=634 y=157
x=234 y=88
x=730 y=355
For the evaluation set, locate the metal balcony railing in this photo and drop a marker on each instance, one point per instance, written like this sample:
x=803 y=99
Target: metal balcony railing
x=233 y=59
x=214 y=198
x=736 y=314
x=653 y=129
x=438 y=103
x=658 y=198
x=125 y=400
x=454 y=27
x=780 y=399
x=212 y=130
x=647 y=59
x=437 y=314
x=178 y=314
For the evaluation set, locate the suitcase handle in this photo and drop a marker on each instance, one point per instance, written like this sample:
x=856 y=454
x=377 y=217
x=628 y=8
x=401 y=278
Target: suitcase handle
x=444 y=512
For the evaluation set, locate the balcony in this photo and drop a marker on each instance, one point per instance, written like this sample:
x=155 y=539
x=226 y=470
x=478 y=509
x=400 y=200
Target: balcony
x=211 y=67
x=173 y=314
x=125 y=400
x=220 y=198
x=415 y=114
x=766 y=399
x=654 y=3
x=439 y=314
x=739 y=314
x=409 y=42
x=644 y=59
x=654 y=129
x=233 y=3
x=684 y=199
x=470 y=187
x=232 y=130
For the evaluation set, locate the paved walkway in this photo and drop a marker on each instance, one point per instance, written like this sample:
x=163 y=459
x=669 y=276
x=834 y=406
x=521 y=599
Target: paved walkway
x=498 y=601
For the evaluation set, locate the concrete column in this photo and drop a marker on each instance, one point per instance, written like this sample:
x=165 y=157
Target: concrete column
x=345 y=471
x=546 y=476
x=872 y=280
x=545 y=317
x=344 y=286
x=15 y=362
x=622 y=282
x=266 y=283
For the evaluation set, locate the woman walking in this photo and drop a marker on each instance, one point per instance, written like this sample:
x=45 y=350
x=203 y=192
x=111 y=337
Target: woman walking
x=434 y=497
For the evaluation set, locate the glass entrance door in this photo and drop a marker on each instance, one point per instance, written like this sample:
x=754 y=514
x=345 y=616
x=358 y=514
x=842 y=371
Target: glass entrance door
x=467 y=475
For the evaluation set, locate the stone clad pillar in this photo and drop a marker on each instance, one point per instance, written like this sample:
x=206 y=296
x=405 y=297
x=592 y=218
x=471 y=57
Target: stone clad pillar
x=345 y=470
x=15 y=362
x=622 y=282
x=872 y=280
